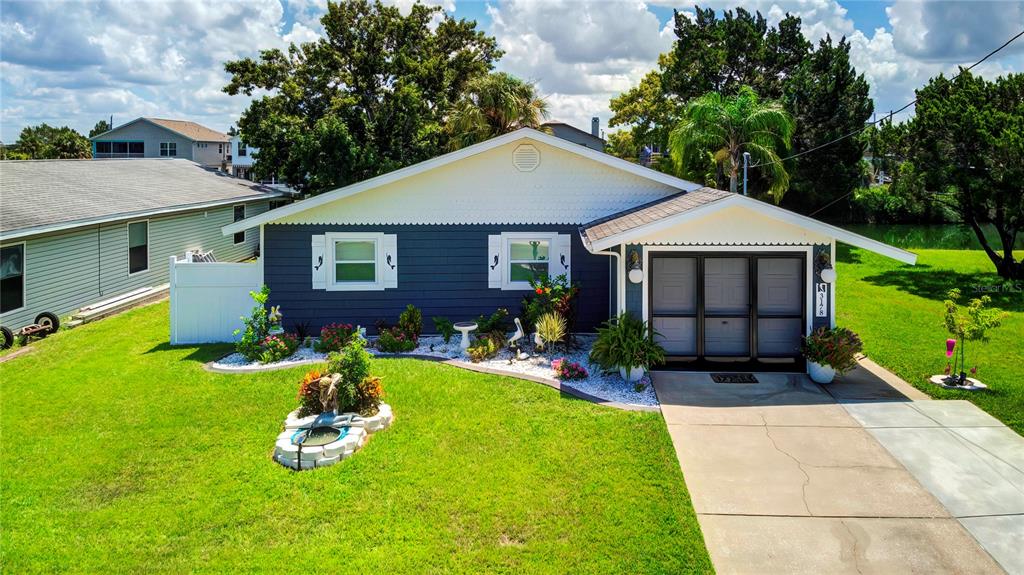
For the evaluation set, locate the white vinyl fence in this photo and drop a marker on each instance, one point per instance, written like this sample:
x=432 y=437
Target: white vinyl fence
x=208 y=298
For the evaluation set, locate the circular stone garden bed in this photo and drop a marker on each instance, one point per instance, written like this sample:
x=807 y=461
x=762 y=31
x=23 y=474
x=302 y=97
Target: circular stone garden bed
x=327 y=438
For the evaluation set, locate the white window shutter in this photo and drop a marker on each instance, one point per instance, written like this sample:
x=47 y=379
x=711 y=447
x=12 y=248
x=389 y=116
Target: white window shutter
x=319 y=263
x=495 y=265
x=390 y=263
x=562 y=263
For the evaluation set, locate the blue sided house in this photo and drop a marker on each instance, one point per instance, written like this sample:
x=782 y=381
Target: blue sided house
x=721 y=277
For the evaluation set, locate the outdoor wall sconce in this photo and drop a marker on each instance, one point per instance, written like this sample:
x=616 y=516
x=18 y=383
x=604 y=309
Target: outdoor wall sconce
x=636 y=273
x=823 y=267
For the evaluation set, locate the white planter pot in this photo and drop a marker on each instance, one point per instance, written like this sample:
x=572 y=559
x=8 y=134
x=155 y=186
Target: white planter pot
x=635 y=374
x=276 y=330
x=820 y=373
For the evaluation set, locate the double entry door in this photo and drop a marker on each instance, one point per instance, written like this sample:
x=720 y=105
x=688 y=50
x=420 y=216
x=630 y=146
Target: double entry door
x=728 y=307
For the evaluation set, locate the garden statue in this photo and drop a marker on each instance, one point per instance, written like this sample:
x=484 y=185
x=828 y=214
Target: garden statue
x=329 y=392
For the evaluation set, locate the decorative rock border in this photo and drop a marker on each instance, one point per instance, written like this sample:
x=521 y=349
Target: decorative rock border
x=973 y=384
x=356 y=430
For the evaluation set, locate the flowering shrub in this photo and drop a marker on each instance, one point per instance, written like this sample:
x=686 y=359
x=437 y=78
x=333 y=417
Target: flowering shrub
x=565 y=369
x=309 y=393
x=334 y=337
x=394 y=340
x=551 y=295
x=257 y=326
x=369 y=394
x=835 y=347
x=277 y=347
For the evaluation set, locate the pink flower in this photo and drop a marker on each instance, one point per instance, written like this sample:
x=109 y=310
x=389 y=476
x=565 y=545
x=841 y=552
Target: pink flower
x=950 y=345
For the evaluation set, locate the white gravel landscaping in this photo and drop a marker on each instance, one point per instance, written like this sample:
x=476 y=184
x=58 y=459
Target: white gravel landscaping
x=609 y=387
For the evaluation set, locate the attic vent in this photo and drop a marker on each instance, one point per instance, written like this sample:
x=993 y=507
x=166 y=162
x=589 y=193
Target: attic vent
x=526 y=158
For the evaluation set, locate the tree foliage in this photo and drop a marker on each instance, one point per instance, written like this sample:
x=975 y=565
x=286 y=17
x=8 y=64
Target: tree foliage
x=370 y=97
x=721 y=53
x=967 y=141
x=100 y=127
x=492 y=105
x=724 y=128
x=46 y=142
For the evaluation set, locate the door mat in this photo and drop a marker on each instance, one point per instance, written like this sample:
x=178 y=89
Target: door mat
x=733 y=378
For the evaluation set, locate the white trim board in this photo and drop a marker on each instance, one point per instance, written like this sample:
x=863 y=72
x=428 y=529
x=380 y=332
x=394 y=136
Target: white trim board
x=636 y=235
x=415 y=169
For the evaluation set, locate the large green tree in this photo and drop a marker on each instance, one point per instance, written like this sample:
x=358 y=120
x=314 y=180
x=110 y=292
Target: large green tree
x=726 y=127
x=46 y=142
x=967 y=141
x=368 y=98
x=495 y=104
x=829 y=100
x=720 y=52
x=100 y=127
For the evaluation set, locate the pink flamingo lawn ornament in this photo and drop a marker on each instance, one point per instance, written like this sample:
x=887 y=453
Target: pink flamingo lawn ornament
x=950 y=345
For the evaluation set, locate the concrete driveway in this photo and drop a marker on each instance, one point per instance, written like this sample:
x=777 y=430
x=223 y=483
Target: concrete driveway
x=785 y=480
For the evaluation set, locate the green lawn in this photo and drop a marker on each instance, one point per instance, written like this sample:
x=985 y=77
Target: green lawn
x=897 y=309
x=121 y=454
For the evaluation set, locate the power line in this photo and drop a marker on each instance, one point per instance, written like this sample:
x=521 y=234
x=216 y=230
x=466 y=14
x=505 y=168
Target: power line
x=891 y=114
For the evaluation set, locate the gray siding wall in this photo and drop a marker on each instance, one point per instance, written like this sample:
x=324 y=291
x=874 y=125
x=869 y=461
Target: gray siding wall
x=152 y=135
x=68 y=270
x=213 y=154
x=441 y=269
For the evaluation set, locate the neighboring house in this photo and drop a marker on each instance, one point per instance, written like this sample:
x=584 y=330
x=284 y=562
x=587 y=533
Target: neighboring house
x=74 y=232
x=240 y=158
x=592 y=139
x=722 y=277
x=161 y=138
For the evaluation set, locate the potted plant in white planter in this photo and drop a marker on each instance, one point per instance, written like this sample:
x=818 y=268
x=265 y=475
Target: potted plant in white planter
x=627 y=344
x=830 y=351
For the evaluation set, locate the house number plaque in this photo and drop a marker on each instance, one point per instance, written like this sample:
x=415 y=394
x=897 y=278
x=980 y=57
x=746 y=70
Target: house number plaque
x=820 y=300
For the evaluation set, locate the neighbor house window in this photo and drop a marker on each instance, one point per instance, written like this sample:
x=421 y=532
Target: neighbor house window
x=12 y=277
x=242 y=151
x=120 y=149
x=138 y=247
x=239 y=216
x=168 y=149
x=528 y=259
x=220 y=148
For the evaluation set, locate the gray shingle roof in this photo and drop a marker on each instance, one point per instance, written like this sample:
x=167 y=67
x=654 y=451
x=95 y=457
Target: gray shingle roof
x=38 y=195
x=649 y=213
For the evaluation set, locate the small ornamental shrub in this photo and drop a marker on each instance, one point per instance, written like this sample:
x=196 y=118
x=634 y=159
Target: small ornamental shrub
x=393 y=340
x=568 y=370
x=496 y=321
x=485 y=347
x=445 y=327
x=353 y=363
x=626 y=342
x=335 y=337
x=835 y=347
x=970 y=326
x=549 y=295
x=369 y=394
x=551 y=327
x=410 y=322
x=277 y=347
x=309 y=393
x=256 y=326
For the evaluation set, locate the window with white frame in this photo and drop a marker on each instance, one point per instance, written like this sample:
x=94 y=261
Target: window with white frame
x=138 y=247
x=169 y=149
x=355 y=261
x=516 y=258
x=242 y=150
x=12 y=277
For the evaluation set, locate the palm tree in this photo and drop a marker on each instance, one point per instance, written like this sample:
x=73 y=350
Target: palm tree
x=726 y=127
x=492 y=105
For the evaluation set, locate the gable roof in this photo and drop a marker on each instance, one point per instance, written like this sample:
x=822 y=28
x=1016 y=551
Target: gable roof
x=446 y=159
x=632 y=225
x=191 y=130
x=42 y=196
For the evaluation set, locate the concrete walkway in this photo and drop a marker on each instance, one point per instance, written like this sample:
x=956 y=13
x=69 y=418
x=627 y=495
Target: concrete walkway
x=785 y=480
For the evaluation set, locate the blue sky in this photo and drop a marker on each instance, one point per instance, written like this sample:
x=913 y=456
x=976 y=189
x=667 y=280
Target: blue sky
x=76 y=62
